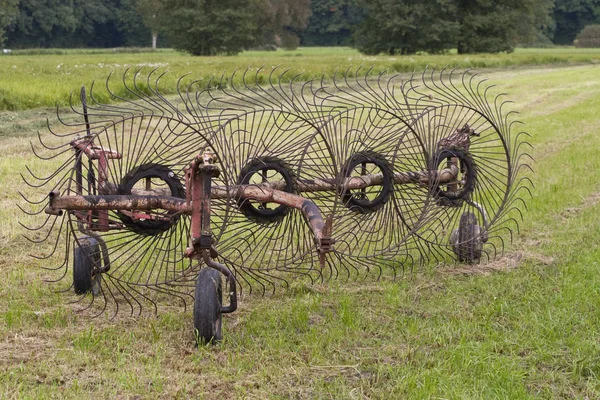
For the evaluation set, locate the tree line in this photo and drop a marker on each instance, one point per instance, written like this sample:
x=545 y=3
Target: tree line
x=209 y=27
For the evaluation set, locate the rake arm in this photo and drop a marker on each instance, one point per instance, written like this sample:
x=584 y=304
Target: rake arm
x=58 y=204
x=156 y=199
x=423 y=178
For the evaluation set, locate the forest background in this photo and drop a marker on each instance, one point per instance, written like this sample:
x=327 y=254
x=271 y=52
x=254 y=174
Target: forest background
x=211 y=27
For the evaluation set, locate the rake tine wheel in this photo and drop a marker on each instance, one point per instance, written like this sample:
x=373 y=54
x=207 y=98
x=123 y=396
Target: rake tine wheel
x=120 y=150
x=463 y=123
x=267 y=137
x=367 y=141
x=452 y=121
x=321 y=180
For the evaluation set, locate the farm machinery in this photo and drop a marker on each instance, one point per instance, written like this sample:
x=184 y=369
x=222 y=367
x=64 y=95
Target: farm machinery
x=233 y=188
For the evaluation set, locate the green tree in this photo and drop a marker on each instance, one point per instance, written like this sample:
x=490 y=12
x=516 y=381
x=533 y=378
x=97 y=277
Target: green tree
x=130 y=25
x=8 y=12
x=60 y=23
x=589 y=37
x=471 y=26
x=210 y=27
x=570 y=16
x=494 y=26
x=282 y=20
x=94 y=22
x=332 y=22
x=405 y=26
x=152 y=14
x=39 y=20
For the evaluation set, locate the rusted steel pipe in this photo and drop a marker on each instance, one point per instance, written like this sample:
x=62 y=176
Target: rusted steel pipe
x=264 y=193
x=199 y=181
x=116 y=202
x=361 y=182
x=445 y=175
x=176 y=205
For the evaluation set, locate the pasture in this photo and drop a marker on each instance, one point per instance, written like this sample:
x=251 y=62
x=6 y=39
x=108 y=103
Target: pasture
x=523 y=326
x=44 y=78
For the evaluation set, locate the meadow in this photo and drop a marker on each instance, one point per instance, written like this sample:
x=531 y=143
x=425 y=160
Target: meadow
x=523 y=326
x=44 y=78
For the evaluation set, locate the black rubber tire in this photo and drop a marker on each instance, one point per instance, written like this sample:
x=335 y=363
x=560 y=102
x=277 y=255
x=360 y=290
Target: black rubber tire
x=255 y=166
x=469 y=244
x=150 y=170
x=466 y=162
x=368 y=206
x=207 y=307
x=86 y=255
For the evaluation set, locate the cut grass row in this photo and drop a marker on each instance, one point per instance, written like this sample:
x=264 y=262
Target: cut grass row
x=30 y=80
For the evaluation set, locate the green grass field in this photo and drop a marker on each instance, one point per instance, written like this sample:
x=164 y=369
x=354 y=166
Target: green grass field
x=523 y=326
x=43 y=78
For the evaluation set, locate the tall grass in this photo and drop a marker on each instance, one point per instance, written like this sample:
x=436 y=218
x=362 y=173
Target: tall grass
x=43 y=78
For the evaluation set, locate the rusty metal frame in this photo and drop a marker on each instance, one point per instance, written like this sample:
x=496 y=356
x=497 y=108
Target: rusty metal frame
x=198 y=178
x=200 y=191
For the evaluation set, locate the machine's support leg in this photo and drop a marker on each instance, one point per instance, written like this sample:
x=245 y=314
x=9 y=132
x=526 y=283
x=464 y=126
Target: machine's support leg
x=199 y=181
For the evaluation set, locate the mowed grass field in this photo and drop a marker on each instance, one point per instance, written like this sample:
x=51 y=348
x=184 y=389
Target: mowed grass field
x=43 y=78
x=526 y=325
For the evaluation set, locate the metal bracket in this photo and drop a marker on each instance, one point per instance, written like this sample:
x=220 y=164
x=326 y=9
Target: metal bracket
x=204 y=241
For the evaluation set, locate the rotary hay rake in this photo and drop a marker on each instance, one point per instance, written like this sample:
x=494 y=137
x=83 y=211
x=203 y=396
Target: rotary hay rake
x=323 y=179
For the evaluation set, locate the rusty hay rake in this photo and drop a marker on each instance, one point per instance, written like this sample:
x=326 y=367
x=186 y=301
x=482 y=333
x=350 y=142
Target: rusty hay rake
x=253 y=184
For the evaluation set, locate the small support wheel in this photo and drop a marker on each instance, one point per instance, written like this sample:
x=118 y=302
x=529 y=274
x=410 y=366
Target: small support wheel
x=467 y=240
x=207 y=306
x=86 y=263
